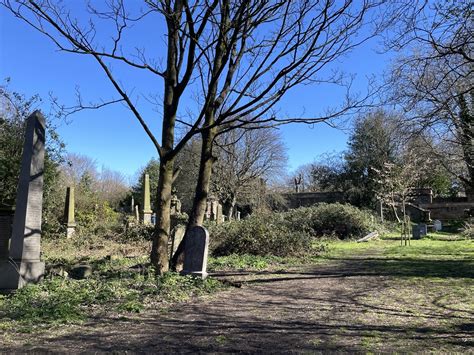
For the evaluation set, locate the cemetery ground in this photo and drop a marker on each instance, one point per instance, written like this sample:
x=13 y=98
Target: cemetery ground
x=375 y=296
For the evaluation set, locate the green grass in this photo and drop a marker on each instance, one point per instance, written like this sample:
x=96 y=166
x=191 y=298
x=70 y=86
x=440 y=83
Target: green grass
x=113 y=288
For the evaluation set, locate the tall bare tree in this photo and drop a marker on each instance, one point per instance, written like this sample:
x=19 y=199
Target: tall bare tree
x=237 y=57
x=433 y=81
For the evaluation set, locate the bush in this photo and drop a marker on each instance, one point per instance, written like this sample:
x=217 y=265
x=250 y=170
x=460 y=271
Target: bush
x=290 y=233
x=335 y=219
x=468 y=229
x=258 y=235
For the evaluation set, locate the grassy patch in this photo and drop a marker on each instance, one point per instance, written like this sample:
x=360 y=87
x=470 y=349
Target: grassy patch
x=113 y=288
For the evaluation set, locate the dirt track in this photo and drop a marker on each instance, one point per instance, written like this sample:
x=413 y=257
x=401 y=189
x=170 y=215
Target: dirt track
x=340 y=306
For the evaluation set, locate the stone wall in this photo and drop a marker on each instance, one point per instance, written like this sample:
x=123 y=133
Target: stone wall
x=448 y=210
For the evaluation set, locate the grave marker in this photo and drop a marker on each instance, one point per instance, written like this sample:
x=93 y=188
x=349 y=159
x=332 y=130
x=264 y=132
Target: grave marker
x=195 y=254
x=24 y=265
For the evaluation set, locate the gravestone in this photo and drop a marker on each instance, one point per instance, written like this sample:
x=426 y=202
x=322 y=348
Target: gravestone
x=137 y=214
x=437 y=225
x=195 y=252
x=132 y=205
x=219 y=215
x=177 y=237
x=423 y=229
x=146 y=212
x=416 y=232
x=24 y=265
x=237 y=215
x=69 y=213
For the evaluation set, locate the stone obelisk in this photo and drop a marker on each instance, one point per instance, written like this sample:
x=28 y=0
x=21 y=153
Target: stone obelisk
x=24 y=265
x=146 y=212
x=69 y=213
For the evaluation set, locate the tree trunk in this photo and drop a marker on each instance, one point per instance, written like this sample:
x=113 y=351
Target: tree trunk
x=201 y=194
x=159 y=250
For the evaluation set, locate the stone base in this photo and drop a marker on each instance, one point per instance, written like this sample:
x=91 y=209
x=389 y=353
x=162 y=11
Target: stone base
x=146 y=217
x=15 y=275
x=70 y=231
x=198 y=274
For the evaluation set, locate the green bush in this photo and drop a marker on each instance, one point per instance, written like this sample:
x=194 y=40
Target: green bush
x=290 y=233
x=258 y=235
x=342 y=221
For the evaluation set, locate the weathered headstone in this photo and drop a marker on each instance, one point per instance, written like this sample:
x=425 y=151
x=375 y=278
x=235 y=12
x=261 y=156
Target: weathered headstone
x=416 y=232
x=137 y=214
x=437 y=225
x=237 y=215
x=69 y=213
x=146 y=212
x=24 y=265
x=219 y=215
x=195 y=252
x=423 y=229
x=177 y=237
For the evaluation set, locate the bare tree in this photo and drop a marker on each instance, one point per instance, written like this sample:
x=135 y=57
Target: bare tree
x=244 y=156
x=239 y=57
x=434 y=82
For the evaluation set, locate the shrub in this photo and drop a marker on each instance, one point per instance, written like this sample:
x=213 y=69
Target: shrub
x=290 y=233
x=334 y=219
x=258 y=235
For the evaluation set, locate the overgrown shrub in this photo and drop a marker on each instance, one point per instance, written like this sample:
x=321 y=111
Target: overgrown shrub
x=263 y=234
x=292 y=232
x=331 y=219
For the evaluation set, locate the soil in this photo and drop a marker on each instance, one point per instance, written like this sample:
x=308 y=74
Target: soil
x=341 y=305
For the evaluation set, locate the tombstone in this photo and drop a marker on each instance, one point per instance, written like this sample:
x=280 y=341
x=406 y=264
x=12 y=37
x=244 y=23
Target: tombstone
x=24 y=265
x=6 y=220
x=437 y=225
x=423 y=229
x=132 y=205
x=219 y=215
x=137 y=214
x=416 y=232
x=146 y=212
x=177 y=237
x=195 y=252
x=380 y=210
x=69 y=213
x=237 y=215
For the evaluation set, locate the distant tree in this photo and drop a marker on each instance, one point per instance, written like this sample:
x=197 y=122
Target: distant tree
x=244 y=158
x=375 y=141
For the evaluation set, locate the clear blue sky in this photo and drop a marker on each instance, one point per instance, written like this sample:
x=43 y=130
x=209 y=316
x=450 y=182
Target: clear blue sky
x=112 y=136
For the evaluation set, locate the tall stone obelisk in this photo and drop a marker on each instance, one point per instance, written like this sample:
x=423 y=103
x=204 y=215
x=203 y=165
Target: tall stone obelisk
x=146 y=212
x=24 y=265
x=69 y=213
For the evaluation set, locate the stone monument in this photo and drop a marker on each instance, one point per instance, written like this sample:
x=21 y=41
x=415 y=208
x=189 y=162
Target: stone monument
x=437 y=225
x=24 y=265
x=146 y=212
x=195 y=252
x=219 y=215
x=69 y=213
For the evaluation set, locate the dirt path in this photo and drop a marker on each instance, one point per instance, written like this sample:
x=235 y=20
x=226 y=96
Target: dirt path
x=344 y=306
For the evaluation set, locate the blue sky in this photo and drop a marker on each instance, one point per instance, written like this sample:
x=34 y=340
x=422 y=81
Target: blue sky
x=112 y=136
